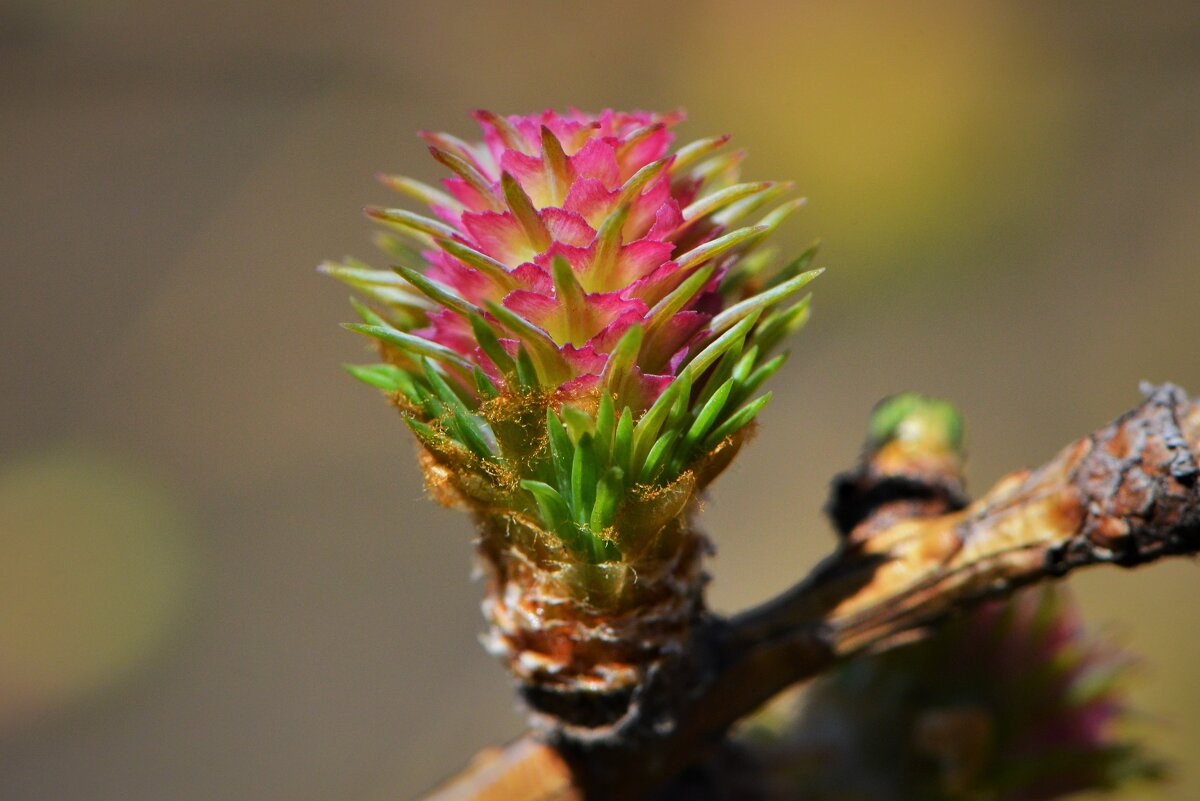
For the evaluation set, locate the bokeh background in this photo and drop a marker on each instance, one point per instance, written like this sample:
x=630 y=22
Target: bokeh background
x=218 y=576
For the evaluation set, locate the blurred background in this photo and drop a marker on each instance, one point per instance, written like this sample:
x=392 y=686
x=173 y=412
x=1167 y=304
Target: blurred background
x=219 y=578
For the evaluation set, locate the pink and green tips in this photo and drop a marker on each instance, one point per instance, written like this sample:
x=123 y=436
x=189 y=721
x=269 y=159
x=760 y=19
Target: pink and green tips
x=578 y=258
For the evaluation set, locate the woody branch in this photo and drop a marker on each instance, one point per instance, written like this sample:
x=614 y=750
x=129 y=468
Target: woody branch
x=911 y=553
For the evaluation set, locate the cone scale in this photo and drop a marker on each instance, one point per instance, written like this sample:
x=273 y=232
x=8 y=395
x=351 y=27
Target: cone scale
x=577 y=332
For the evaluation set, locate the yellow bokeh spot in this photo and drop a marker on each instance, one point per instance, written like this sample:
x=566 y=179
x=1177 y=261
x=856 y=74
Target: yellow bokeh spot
x=96 y=570
x=904 y=123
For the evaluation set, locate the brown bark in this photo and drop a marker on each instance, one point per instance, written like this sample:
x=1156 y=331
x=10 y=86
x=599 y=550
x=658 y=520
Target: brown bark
x=911 y=553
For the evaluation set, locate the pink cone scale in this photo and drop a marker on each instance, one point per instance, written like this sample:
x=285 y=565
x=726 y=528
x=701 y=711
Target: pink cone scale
x=577 y=328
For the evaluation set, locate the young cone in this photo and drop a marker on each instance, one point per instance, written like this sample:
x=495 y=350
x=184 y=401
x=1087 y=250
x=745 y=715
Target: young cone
x=577 y=334
x=1013 y=701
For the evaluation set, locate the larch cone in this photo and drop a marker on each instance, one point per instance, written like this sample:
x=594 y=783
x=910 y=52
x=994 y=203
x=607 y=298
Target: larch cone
x=577 y=337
